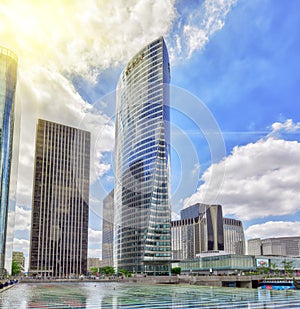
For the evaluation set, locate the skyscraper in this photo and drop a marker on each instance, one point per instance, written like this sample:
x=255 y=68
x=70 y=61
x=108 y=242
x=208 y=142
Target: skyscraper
x=59 y=225
x=8 y=79
x=142 y=241
x=108 y=229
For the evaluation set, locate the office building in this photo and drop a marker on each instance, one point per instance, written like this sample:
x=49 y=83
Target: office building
x=108 y=230
x=19 y=258
x=275 y=246
x=234 y=237
x=93 y=263
x=254 y=246
x=202 y=229
x=8 y=155
x=199 y=230
x=142 y=202
x=193 y=211
x=59 y=224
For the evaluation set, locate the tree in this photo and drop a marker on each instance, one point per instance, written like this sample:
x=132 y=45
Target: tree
x=124 y=272
x=274 y=268
x=107 y=270
x=94 y=271
x=16 y=268
x=288 y=266
x=176 y=270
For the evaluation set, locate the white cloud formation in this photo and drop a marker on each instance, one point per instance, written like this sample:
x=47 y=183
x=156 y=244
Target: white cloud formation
x=82 y=36
x=23 y=219
x=95 y=241
x=200 y=27
x=273 y=229
x=287 y=126
x=20 y=244
x=261 y=179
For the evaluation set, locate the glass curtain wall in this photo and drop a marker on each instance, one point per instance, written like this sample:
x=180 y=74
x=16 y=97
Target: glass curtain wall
x=8 y=79
x=142 y=240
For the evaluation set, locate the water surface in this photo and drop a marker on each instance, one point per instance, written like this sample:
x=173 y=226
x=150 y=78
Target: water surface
x=125 y=296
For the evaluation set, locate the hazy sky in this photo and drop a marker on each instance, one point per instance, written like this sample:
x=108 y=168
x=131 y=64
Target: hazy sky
x=235 y=116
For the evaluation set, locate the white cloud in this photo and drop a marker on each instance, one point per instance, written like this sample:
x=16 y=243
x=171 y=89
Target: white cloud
x=287 y=126
x=175 y=216
x=95 y=243
x=94 y=236
x=261 y=179
x=273 y=229
x=94 y=253
x=23 y=219
x=82 y=36
x=21 y=244
x=200 y=27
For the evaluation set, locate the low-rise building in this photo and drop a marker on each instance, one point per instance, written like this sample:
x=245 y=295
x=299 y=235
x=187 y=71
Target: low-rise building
x=93 y=262
x=275 y=246
x=238 y=264
x=18 y=257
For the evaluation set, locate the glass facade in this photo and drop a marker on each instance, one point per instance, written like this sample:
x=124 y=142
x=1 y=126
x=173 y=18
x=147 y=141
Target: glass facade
x=215 y=231
x=60 y=204
x=8 y=78
x=108 y=230
x=219 y=263
x=142 y=240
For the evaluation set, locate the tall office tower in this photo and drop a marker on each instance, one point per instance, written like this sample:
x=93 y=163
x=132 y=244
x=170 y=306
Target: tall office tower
x=142 y=205
x=108 y=230
x=234 y=237
x=59 y=223
x=8 y=79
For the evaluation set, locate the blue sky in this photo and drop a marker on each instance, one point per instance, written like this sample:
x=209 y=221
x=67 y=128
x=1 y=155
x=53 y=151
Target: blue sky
x=235 y=73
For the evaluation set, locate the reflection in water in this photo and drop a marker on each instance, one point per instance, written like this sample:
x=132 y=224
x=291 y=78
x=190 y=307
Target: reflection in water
x=122 y=295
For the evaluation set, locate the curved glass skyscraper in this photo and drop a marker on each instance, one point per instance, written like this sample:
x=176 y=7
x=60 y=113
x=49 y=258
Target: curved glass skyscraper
x=8 y=79
x=142 y=204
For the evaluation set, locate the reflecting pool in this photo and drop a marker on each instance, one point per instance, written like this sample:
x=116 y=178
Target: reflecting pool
x=125 y=296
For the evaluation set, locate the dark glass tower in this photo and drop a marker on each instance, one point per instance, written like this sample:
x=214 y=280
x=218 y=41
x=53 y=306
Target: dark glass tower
x=8 y=79
x=142 y=207
x=215 y=231
x=108 y=229
x=59 y=224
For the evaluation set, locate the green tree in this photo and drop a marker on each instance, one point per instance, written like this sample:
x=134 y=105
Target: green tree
x=94 y=271
x=124 y=272
x=288 y=266
x=176 y=270
x=16 y=268
x=274 y=268
x=107 y=270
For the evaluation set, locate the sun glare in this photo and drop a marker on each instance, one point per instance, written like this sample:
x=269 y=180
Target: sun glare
x=31 y=26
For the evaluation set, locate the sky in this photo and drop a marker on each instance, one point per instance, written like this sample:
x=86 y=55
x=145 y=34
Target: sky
x=235 y=116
